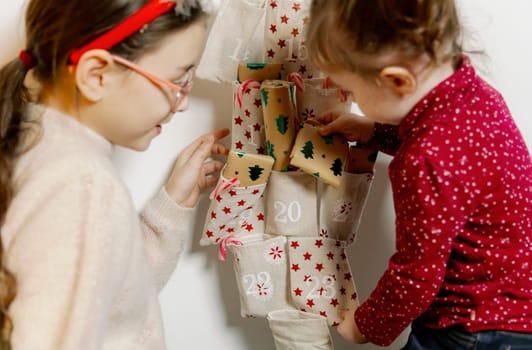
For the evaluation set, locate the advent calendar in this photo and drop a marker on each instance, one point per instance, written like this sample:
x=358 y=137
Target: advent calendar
x=289 y=202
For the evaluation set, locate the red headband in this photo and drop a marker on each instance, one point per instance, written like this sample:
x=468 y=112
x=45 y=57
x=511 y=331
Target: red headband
x=126 y=28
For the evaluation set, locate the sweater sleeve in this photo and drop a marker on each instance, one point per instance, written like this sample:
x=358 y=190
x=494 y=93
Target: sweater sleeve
x=70 y=256
x=431 y=210
x=385 y=138
x=166 y=227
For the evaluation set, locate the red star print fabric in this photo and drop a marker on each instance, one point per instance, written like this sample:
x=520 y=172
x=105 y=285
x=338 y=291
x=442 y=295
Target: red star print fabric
x=284 y=38
x=262 y=276
x=291 y=204
x=238 y=211
x=341 y=208
x=247 y=125
x=320 y=277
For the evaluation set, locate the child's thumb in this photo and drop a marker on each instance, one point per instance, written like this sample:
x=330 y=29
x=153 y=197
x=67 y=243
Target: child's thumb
x=327 y=129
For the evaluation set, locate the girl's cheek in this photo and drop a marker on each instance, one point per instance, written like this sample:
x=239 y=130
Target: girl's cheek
x=183 y=106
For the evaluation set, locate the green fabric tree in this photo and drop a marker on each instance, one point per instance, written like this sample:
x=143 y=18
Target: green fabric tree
x=256 y=66
x=282 y=124
x=337 y=167
x=308 y=150
x=270 y=147
x=265 y=96
x=255 y=172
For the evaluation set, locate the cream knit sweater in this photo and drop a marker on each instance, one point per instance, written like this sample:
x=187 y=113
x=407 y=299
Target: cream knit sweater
x=88 y=268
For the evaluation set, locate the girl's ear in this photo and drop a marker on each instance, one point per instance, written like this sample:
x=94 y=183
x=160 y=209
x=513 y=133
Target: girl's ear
x=93 y=74
x=399 y=79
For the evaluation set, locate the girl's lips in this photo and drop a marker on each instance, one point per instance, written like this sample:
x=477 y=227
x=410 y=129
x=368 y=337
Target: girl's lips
x=159 y=129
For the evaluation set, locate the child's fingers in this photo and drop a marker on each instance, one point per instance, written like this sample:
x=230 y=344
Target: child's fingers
x=313 y=121
x=328 y=129
x=213 y=166
x=199 y=154
x=218 y=148
x=187 y=152
x=209 y=146
x=327 y=117
x=208 y=140
x=210 y=181
x=220 y=133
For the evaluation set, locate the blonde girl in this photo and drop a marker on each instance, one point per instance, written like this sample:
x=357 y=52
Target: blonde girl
x=461 y=176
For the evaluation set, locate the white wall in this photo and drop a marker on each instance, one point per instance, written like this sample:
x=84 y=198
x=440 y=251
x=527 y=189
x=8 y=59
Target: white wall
x=200 y=304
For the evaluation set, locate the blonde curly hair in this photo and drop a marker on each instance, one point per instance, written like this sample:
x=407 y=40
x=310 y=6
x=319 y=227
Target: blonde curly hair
x=342 y=30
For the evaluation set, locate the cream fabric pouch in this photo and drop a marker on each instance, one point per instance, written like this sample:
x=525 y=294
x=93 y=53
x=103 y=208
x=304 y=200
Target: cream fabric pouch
x=236 y=36
x=341 y=208
x=297 y=330
x=262 y=276
x=291 y=204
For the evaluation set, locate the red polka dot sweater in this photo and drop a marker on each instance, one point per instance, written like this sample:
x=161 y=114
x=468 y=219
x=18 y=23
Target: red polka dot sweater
x=462 y=186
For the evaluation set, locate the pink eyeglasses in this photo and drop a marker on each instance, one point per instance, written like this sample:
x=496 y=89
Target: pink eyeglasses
x=181 y=88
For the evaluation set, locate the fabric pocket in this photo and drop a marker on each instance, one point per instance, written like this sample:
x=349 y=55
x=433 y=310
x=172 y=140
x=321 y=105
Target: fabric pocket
x=295 y=330
x=234 y=213
x=321 y=281
x=236 y=36
x=320 y=96
x=262 y=276
x=247 y=125
x=291 y=204
x=285 y=36
x=341 y=208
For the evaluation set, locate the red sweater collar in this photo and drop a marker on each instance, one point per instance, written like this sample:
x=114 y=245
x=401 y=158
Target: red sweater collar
x=443 y=92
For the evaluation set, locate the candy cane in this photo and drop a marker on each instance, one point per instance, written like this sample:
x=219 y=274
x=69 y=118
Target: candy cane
x=344 y=95
x=223 y=246
x=298 y=80
x=327 y=82
x=251 y=84
x=223 y=186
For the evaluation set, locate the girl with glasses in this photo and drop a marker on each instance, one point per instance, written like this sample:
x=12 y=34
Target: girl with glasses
x=79 y=268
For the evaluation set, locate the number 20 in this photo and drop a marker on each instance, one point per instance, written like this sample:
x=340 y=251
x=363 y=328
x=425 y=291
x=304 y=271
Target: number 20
x=285 y=212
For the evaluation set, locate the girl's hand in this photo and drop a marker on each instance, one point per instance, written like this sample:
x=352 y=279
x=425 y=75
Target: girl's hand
x=353 y=127
x=192 y=172
x=348 y=328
